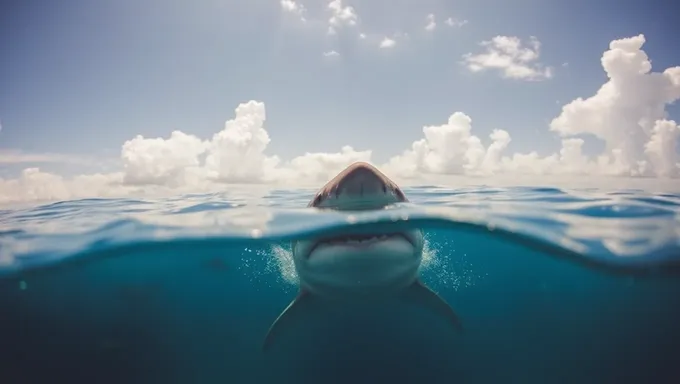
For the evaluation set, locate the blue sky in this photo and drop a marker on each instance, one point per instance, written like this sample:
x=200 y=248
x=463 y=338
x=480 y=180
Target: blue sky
x=82 y=77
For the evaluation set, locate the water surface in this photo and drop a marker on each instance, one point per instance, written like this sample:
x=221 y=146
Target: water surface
x=552 y=285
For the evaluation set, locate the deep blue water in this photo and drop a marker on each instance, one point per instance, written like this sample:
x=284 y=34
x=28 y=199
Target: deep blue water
x=552 y=286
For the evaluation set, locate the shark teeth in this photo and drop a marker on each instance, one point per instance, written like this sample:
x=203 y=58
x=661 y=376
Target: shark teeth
x=357 y=239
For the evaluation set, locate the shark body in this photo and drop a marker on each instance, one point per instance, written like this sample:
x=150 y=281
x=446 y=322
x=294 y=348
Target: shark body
x=358 y=268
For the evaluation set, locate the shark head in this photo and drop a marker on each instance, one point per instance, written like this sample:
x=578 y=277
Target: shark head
x=352 y=267
x=358 y=264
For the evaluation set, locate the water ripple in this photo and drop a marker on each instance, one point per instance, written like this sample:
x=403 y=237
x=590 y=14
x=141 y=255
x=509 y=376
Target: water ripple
x=628 y=229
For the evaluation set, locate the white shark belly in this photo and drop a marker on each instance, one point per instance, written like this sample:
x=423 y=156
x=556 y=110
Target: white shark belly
x=351 y=269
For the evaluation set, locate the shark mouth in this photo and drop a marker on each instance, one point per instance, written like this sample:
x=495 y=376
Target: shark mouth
x=357 y=240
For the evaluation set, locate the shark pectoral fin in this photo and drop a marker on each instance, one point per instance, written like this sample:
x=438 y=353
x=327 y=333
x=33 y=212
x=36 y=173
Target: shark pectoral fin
x=289 y=316
x=420 y=293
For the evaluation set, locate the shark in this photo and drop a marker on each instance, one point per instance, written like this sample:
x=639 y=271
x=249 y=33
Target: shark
x=358 y=267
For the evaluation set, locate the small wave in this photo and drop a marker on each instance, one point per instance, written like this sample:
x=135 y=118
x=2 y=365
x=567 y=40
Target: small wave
x=632 y=231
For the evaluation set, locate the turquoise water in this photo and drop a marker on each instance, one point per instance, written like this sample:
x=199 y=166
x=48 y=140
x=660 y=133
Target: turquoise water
x=552 y=286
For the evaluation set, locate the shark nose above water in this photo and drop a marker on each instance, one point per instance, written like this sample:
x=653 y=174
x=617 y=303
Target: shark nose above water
x=361 y=181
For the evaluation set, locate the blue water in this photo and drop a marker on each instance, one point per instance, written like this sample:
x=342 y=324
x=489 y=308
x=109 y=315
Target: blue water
x=552 y=286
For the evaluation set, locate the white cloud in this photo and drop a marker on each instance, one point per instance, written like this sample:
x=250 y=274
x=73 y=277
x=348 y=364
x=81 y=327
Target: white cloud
x=387 y=43
x=35 y=185
x=451 y=22
x=161 y=161
x=340 y=15
x=293 y=7
x=627 y=112
x=431 y=23
x=289 y=5
x=661 y=148
x=242 y=141
x=512 y=58
x=331 y=53
x=445 y=149
x=319 y=167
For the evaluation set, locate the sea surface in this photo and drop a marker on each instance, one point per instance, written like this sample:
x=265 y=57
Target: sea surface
x=552 y=286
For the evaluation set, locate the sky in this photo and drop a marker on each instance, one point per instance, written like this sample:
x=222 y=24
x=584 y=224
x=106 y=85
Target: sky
x=112 y=98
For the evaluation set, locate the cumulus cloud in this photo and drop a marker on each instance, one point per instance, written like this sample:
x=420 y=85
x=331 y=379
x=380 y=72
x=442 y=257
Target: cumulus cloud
x=511 y=57
x=661 y=148
x=233 y=155
x=184 y=163
x=161 y=161
x=35 y=185
x=242 y=141
x=316 y=168
x=387 y=43
x=340 y=15
x=450 y=148
x=628 y=113
x=451 y=22
x=290 y=6
x=431 y=23
x=331 y=53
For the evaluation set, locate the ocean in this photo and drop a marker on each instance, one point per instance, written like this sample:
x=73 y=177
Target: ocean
x=551 y=285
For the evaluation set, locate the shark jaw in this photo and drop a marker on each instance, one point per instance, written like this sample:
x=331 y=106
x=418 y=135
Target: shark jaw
x=354 y=242
x=356 y=267
x=318 y=248
x=359 y=266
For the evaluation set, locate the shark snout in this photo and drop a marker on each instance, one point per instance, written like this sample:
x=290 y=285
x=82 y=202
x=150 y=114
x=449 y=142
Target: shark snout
x=359 y=186
x=360 y=181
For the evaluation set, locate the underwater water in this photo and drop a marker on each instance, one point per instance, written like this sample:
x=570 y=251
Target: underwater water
x=552 y=286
